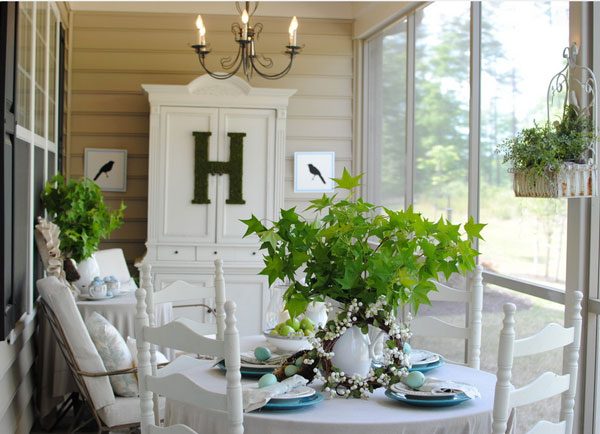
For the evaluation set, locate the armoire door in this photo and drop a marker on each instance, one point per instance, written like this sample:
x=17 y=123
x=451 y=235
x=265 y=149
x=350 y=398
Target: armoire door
x=258 y=171
x=184 y=222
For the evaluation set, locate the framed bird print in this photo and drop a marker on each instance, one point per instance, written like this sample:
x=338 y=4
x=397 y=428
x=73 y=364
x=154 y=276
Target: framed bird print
x=313 y=172
x=107 y=168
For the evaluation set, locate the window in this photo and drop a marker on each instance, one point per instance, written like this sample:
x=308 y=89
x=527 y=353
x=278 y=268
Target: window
x=442 y=110
x=521 y=50
x=387 y=81
x=430 y=149
x=30 y=143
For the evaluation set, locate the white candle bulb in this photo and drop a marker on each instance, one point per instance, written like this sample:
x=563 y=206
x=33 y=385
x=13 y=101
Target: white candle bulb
x=201 y=31
x=245 y=19
x=293 y=31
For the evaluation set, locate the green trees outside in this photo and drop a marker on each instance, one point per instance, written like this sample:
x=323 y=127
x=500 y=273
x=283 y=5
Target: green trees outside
x=441 y=119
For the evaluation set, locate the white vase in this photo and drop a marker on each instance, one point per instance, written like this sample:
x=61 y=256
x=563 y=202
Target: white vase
x=317 y=313
x=352 y=354
x=87 y=269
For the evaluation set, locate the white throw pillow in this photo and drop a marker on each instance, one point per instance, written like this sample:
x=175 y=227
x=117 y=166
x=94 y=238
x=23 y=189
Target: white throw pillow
x=114 y=353
x=131 y=344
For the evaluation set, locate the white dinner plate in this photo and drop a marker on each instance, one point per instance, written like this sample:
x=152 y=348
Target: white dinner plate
x=295 y=393
x=423 y=357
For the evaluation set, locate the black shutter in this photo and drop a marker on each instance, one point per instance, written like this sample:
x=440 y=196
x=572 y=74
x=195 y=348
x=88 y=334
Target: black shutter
x=8 y=22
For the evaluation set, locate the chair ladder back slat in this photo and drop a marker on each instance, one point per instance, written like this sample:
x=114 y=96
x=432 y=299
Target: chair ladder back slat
x=501 y=409
x=571 y=358
x=181 y=388
x=186 y=335
x=545 y=386
x=551 y=337
x=180 y=292
x=447 y=293
x=434 y=327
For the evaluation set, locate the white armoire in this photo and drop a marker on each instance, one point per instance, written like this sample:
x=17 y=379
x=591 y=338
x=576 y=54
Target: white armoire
x=184 y=238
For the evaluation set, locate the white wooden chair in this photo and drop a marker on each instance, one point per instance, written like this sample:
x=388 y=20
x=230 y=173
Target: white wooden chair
x=186 y=335
x=183 y=295
x=548 y=384
x=430 y=326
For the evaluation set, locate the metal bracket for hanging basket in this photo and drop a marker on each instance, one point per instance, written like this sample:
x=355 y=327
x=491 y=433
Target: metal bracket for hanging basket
x=572 y=180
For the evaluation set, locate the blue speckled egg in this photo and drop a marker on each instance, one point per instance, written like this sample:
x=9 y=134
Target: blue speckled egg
x=414 y=379
x=406 y=348
x=261 y=353
x=267 y=380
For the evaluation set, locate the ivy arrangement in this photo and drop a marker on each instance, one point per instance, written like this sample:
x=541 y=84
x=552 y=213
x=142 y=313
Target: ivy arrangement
x=78 y=208
x=354 y=250
x=541 y=150
x=370 y=259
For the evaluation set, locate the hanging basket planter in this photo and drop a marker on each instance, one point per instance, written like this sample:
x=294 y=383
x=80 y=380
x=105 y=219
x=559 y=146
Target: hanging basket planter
x=571 y=181
x=543 y=157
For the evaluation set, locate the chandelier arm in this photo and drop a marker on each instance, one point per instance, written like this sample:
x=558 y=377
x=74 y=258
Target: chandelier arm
x=217 y=75
x=273 y=76
x=227 y=63
x=265 y=62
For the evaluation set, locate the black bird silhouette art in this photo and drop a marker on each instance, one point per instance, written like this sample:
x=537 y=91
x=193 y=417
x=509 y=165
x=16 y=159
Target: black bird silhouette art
x=105 y=169
x=315 y=172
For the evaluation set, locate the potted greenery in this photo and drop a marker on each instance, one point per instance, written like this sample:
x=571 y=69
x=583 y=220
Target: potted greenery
x=367 y=258
x=551 y=160
x=78 y=208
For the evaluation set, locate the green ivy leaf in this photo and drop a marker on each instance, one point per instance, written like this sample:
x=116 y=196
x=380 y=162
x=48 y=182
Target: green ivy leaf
x=347 y=181
x=473 y=229
x=254 y=226
x=296 y=305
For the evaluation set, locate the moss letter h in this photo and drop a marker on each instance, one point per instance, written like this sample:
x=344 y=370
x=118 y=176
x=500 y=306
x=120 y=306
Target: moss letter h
x=234 y=168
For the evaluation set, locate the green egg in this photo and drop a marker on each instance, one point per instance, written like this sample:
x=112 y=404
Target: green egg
x=262 y=354
x=299 y=362
x=291 y=370
x=267 y=380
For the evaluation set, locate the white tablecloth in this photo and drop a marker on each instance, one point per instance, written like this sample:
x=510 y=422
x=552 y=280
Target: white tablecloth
x=56 y=380
x=378 y=415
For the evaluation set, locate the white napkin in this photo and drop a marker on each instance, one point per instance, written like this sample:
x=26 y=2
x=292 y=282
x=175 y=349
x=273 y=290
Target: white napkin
x=436 y=385
x=255 y=398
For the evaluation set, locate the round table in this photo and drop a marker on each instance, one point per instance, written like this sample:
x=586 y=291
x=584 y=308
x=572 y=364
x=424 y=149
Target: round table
x=377 y=415
x=56 y=379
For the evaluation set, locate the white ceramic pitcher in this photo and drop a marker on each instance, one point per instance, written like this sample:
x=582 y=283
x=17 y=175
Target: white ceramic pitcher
x=353 y=352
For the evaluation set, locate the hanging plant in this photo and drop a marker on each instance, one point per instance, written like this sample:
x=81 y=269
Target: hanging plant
x=557 y=159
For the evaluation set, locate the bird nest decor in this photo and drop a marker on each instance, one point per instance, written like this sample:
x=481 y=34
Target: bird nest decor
x=316 y=363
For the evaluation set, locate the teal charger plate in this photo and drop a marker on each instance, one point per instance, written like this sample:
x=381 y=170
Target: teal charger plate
x=294 y=404
x=445 y=402
x=246 y=372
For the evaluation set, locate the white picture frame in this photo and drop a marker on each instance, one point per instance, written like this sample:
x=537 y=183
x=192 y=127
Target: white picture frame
x=313 y=172
x=97 y=167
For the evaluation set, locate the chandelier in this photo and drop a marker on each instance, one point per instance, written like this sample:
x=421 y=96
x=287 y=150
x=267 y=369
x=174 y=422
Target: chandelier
x=246 y=35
